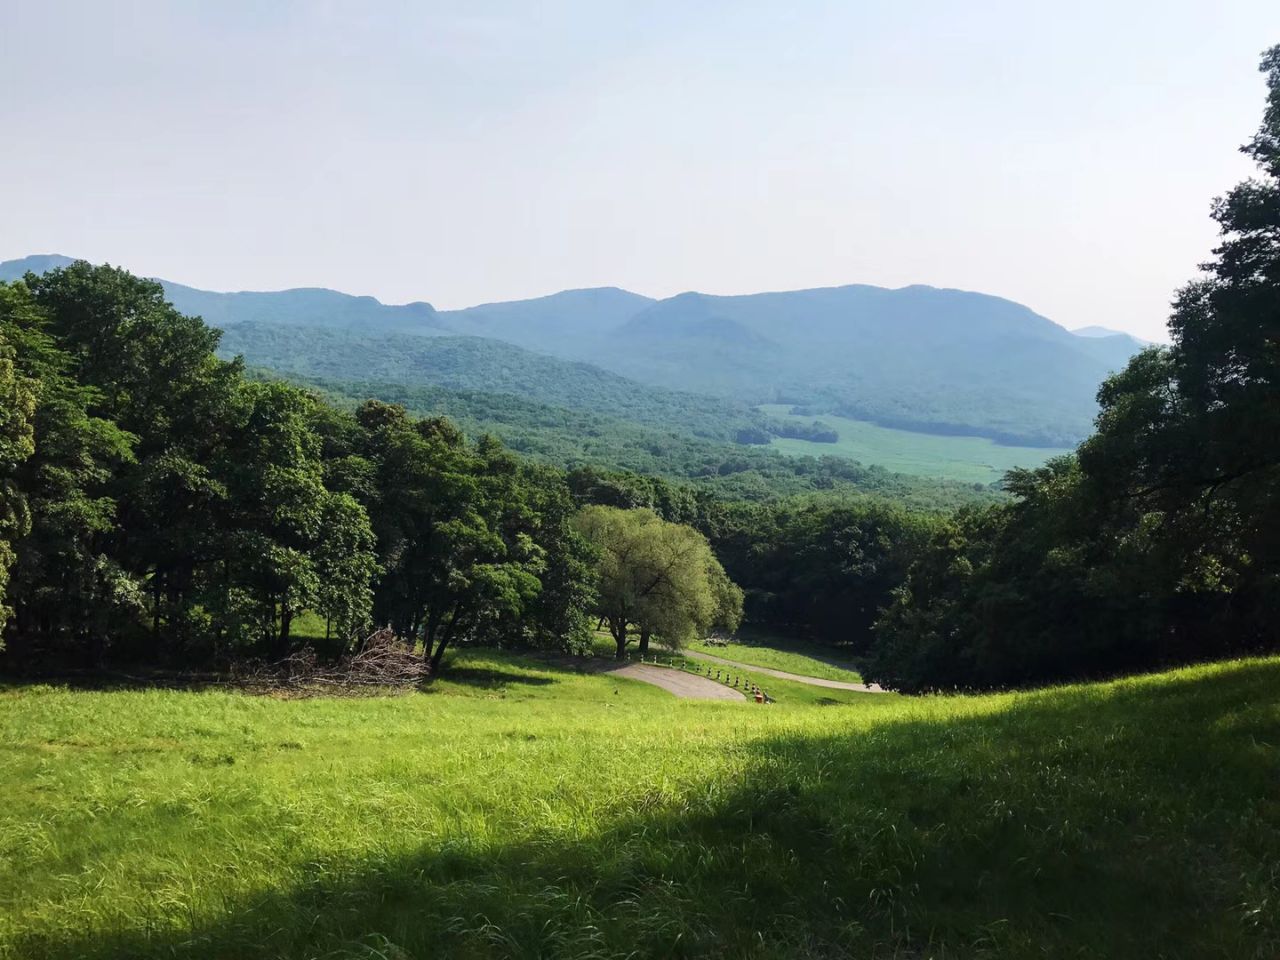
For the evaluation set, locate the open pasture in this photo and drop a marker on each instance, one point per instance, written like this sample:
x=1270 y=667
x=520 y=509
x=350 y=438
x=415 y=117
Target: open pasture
x=521 y=809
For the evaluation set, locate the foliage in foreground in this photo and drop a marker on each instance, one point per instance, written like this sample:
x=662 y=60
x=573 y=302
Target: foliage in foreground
x=557 y=815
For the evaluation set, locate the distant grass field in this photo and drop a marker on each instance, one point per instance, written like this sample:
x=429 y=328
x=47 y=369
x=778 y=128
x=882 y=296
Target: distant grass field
x=807 y=661
x=969 y=459
x=525 y=811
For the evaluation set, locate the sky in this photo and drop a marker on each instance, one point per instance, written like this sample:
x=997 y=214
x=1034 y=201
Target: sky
x=1063 y=155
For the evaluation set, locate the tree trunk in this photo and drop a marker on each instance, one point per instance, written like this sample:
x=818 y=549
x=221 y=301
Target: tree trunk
x=644 y=641
x=618 y=627
x=155 y=606
x=450 y=630
x=286 y=621
x=438 y=657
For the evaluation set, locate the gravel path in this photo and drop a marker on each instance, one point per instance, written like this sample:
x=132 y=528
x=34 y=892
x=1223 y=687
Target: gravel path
x=689 y=686
x=783 y=675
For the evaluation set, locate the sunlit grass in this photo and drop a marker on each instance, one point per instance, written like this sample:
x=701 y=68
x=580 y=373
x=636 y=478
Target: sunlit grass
x=520 y=810
x=811 y=661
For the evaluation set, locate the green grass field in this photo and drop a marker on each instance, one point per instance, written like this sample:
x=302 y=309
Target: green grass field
x=817 y=664
x=519 y=810
x=969 y=459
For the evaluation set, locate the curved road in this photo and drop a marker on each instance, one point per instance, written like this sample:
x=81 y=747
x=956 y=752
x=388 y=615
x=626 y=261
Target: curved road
x=783 y=675
x=688 y=686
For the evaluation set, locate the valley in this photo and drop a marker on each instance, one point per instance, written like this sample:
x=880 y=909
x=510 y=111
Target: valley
x=965 y=459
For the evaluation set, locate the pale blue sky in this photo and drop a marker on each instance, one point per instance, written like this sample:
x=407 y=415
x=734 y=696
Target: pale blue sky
x=1060 y=154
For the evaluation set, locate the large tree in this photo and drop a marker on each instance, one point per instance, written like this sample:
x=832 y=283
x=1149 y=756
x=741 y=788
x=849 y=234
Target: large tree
x=657 y=579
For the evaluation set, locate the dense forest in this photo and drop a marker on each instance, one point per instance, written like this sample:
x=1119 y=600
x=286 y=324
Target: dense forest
x=160 y=504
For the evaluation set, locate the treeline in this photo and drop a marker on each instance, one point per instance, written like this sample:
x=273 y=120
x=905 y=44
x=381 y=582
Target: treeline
x=1160 y=541
x=155 y=504
x=815 y=432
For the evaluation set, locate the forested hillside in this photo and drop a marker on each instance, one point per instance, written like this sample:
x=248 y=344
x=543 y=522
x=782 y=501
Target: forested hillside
x=473 y=363
x=574 y=438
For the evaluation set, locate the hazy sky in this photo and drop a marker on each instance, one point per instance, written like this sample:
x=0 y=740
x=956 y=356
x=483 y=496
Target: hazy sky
x=1060 y=154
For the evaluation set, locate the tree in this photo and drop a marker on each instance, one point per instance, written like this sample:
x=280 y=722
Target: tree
x=17 y=409
x=656 y=578
x=66 y=586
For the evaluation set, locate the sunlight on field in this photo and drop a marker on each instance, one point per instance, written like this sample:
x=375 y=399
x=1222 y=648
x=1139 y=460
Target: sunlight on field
x=971 y=459
x=807 y=661
x=522 y=810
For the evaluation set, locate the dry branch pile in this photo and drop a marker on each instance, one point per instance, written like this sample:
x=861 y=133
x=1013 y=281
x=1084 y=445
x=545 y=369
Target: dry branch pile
x=383 y=660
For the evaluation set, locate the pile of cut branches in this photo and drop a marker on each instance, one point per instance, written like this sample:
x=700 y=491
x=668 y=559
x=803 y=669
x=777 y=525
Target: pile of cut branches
x=383 y=660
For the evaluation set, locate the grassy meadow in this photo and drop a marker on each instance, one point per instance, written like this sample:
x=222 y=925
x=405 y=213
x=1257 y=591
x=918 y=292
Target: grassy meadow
x=807 y=660
x=526 y=810
x=969 y=459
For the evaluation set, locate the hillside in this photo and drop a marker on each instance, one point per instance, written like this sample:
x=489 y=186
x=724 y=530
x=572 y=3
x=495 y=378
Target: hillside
x=492 y=366
x=311 y=306
x=917 y=358
x=558 y=323
x=580 y=438
x=522 y=810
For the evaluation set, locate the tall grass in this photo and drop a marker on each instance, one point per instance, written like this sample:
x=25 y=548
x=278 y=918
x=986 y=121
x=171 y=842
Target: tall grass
x=525 y=811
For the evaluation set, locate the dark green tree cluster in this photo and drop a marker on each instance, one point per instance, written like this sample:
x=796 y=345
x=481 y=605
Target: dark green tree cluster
x=1160 y=540
x=821 y=570
x=156 y=504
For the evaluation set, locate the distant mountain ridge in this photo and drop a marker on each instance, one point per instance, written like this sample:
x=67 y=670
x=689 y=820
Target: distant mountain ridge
x=302 y=306
x=918 y=357
x=1096 y=332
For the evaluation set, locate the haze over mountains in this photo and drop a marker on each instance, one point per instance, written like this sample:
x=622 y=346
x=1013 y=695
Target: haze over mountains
x=916 y=358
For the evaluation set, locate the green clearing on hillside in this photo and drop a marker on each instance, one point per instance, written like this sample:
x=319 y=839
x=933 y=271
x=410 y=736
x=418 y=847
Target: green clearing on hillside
x=805 y=660
x=525 y=811
x=970 y=459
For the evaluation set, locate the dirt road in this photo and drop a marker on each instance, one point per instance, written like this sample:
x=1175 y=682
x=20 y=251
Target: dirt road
x=689 y=686
x=783 y=675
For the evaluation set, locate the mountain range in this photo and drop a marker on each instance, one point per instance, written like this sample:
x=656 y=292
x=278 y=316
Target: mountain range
x=916 y=358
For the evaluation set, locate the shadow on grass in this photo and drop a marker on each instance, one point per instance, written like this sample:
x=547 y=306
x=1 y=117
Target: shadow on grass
x=488 y=677
x=840 y=656
x=118 y=680
x=1136 y=820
